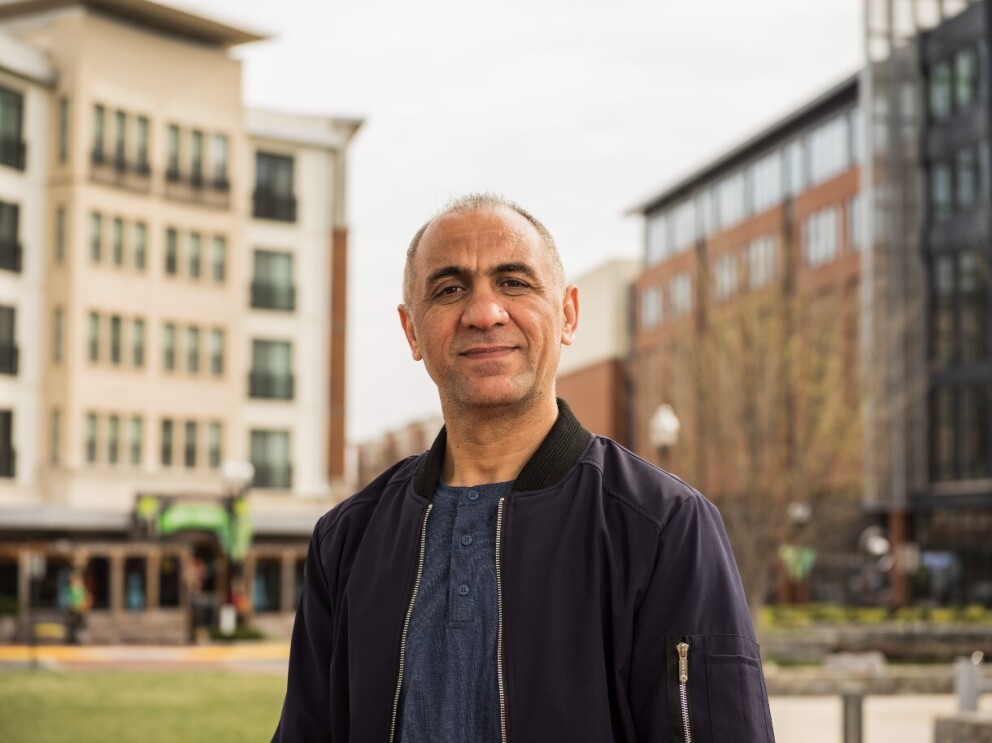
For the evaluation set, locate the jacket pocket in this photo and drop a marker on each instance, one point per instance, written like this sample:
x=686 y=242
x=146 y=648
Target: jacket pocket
x=737 y=700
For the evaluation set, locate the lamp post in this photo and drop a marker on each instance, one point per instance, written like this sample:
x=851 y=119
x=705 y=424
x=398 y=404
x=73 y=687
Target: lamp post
x=237 y=478
x=664 y=430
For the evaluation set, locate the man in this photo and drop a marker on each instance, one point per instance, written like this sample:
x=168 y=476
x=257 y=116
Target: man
x=524 y=580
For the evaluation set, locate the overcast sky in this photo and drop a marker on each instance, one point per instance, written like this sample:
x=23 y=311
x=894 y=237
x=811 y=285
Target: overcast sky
x=576 y=109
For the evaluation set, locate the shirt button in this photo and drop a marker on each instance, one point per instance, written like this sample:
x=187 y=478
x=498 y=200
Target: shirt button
x=473 y=495
x=463 y=590
x=467 y=540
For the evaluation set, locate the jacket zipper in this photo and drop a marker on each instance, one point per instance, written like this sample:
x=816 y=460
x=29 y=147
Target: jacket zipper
x=499 y=621
x=683 y=648
x=406 y=622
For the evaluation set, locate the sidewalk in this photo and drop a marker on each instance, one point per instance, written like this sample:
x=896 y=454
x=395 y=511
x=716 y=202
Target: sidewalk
x=262 y=656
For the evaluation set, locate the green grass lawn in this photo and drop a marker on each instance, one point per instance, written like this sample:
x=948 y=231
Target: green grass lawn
x=139 y=707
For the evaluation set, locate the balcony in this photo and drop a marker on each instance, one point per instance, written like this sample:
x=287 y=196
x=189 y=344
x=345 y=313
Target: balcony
x=10 y=255
x=13 y=153
x=270 y=296
x=268 y=205
x=194 y=187
x=118 y=171
x=8 y=460
x=267 y=386
x=8 y=359
x=275 y=476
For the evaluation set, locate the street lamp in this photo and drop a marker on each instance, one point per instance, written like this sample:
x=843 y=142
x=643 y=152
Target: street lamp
x=664 y=430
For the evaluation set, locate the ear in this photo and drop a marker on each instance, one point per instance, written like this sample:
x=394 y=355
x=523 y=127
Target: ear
x=570 y=309
x=411 y=334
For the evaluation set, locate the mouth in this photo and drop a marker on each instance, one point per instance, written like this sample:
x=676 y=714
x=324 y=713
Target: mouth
x=487 y=352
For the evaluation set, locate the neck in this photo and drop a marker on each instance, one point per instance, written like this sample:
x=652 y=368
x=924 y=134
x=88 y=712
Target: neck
x=493 y=446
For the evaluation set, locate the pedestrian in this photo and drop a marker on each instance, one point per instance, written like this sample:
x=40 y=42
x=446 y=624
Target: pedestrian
x=78 y=606
x=524 y=580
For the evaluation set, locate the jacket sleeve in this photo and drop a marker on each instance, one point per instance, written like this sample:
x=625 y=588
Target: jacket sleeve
x=306 y=710
x=694 y=662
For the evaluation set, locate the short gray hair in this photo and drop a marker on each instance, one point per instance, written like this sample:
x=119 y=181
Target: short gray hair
x=474 y=202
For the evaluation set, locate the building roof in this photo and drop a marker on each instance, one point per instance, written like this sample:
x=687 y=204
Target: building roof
x=145 y=13
x=24 y=60
x=840 y=94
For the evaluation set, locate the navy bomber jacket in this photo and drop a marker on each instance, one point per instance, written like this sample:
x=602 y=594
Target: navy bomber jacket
x=622 y=617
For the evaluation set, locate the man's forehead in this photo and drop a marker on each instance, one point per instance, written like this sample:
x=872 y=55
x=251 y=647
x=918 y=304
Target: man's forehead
x=492 y=236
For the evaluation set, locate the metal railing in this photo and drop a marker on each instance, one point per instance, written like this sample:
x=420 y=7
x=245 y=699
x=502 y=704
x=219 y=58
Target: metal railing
x=267 y=295
x=270 y=386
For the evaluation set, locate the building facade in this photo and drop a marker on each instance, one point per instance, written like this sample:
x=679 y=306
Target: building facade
x=183 y=301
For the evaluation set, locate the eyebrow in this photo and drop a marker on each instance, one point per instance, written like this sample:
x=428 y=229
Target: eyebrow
x=502 y=268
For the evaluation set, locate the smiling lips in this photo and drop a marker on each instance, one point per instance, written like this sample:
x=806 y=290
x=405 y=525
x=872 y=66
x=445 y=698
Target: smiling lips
x=487 y=352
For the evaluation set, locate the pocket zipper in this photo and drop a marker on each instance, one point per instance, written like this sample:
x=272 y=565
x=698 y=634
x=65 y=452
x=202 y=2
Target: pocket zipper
x=683 y=648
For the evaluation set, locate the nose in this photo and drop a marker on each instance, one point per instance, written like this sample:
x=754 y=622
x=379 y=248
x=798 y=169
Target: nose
x=484 y=311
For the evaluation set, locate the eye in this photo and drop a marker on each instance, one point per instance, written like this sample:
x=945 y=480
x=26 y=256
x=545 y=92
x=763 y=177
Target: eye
x=448 y=290
x=514 y=284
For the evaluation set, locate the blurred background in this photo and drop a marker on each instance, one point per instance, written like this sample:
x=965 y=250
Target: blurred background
x=777 y=214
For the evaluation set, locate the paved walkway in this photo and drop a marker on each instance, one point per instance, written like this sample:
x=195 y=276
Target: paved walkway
x=265 y=656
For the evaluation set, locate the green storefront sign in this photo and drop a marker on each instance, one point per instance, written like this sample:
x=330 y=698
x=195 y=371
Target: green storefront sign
x=229 y=520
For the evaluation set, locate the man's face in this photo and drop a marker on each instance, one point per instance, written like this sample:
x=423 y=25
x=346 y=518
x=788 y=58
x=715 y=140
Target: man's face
x=487 y=314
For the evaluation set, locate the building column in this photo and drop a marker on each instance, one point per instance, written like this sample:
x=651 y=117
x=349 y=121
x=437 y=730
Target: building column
x=24 y=592
x=897 y=542
x=116 y=582
x=153 y=567
x=288 y=589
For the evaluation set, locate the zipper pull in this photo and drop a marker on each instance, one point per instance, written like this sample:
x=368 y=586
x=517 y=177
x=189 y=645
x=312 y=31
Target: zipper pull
x=683 y=648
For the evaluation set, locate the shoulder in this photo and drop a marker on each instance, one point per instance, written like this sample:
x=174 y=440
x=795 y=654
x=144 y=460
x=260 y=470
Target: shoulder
x=354 y=512
x=657 y=495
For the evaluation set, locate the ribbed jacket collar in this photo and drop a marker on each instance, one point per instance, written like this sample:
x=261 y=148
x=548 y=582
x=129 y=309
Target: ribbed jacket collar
x=556 y=455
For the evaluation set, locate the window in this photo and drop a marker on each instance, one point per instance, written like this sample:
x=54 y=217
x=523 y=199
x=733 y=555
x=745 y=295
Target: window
x=117 y=241
x=138 y=343
x=120 y=140
x=965 y=78
x=7 y=454
x=941 y=199
x=651 y=307
x=57 y=335
x=172 y=156
x=115 y=340
x=974 y=430
x=684 y=225
x=942 y=403
x=63 y=129
x=216 y=352
x=55 y=437
x=656 y=238
x=166 y=443
x=196 y=157
x=983 y=71
x=171 y=251
x=8 y=340
x=795 y=163
x=680 y=294
x=829 y=149
x=169 y=346
x=135 y=583
x=820 y=236
x=766 y=182
x=725 y=276
x=730 y=200
x=218 y=259
x=113 y=438
x=94 y=338
x=10 y=247
x=98 y=121
x=272 y=287
x=194 y=255
x=984 y=175
x=972 y=293
x=939 y=91
x=137 y=433
x=270 y=456
x=60 y=234
x=706 y=208
x=189 y=454
x=761 y=261
x=89 y=444
x=192 y=349
x=855 y=222
x=266 y=589
x=140 y=246
x=219 y=154
x=11 y=123
x=271 y=370
x=273 y=198
x=214 y=445
x=965 y=178
x=857 y=131
x=942 y=310
x=96 y=236
x=141 y=145
x=170 y=582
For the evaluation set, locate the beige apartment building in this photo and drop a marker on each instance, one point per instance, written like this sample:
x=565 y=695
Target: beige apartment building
x=183 y=287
